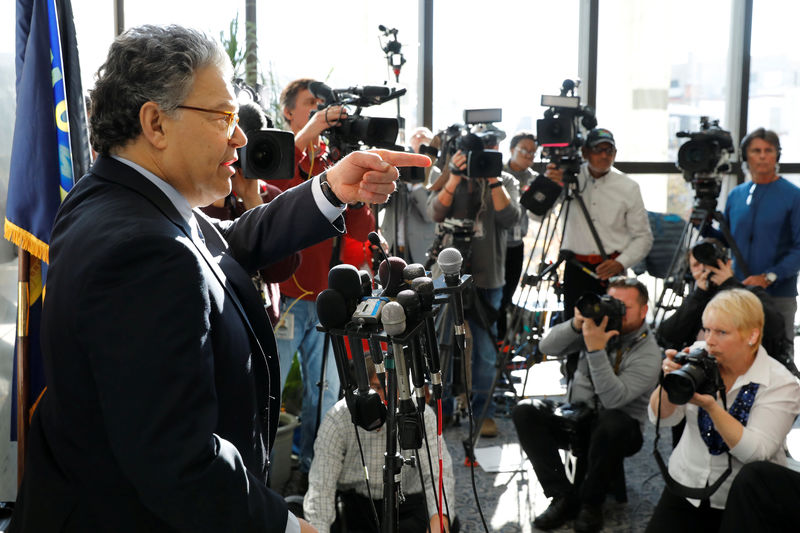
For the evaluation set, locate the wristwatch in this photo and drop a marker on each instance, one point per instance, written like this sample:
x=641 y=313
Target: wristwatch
x=771 y=277
x=328 y=192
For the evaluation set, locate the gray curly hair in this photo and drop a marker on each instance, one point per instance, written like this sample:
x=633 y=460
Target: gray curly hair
x=144 y=64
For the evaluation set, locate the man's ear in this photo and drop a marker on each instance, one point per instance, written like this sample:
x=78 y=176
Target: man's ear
x=287 y=114
x=151 y=119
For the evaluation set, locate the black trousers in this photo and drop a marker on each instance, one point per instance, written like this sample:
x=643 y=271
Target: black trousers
x=674 y=513
x=763 y=497
x=358 y=515
x=576 y=283
x=514 y=259
x=614 y=436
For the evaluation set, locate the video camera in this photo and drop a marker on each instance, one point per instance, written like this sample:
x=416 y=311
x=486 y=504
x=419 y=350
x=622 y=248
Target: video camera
x=356 y=131
x=703 y=158
x=269 y=152
x=709 y=252
x=559 y=132
x=472 y=138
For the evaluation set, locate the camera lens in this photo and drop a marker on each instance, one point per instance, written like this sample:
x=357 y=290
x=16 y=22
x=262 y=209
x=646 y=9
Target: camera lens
x=681 y=384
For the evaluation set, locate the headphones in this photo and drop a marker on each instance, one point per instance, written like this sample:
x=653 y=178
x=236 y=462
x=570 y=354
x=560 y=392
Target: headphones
x=760 y=133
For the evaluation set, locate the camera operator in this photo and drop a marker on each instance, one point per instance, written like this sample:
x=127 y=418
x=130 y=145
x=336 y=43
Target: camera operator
x=406 y=224
x=523 y=148
x=764 y=218
x=685 y=326
x=296 y=330
x=618 y=214
x=493 y=206
x=248 y=193
x=764 y=399
x=613 y=380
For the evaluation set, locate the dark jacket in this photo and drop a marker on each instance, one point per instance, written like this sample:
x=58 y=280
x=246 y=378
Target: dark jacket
x=163 y=380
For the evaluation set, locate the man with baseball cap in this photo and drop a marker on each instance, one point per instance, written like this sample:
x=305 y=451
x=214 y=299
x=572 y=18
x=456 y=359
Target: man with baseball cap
x=617 y=211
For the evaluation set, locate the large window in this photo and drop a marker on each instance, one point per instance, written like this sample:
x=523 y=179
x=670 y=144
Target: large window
x=341 y=45
x=775 y=74
x=506 y=55
x=659 y=70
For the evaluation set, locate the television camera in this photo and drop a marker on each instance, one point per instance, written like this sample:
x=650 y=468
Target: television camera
x=269 y=152
x=703 y=158
x=472 y=137
x=356 y=130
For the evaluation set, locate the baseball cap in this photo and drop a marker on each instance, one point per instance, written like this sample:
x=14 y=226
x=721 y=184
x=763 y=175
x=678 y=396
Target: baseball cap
x=599 y=135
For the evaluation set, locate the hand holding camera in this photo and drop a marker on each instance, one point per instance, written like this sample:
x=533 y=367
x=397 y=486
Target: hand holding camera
x=595 y=336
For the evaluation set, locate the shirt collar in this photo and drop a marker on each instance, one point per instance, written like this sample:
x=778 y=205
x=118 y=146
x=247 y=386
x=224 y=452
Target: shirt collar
x=177 y=199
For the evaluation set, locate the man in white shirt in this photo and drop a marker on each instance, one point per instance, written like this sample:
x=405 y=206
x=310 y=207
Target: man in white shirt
x=615 y=205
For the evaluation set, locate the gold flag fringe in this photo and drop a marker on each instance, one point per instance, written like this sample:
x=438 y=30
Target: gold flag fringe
x=27 y=241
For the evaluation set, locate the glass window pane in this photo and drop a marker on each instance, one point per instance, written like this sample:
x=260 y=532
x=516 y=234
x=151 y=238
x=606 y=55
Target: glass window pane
x=659 y=71
x=342 y=47
x=531 y=49
x=94 y=25
x=775 y=74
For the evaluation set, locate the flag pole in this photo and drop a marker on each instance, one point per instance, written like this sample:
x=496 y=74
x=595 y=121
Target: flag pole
x=23 y=377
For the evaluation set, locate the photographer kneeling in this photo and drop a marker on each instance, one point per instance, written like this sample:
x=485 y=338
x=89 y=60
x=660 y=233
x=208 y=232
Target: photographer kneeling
x=765 y=400
x=616 y=372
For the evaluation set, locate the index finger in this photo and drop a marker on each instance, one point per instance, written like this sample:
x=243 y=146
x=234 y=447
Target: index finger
x=403 y=159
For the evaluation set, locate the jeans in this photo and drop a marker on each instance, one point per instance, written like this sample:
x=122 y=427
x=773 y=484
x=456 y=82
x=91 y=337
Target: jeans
x=484 y=356
x=308 y=343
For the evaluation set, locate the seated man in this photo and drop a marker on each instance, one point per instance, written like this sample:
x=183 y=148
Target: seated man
x=616 y=382
x=337 y=467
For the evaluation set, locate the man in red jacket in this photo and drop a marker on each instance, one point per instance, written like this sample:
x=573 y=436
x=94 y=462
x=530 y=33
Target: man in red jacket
x=296 y=329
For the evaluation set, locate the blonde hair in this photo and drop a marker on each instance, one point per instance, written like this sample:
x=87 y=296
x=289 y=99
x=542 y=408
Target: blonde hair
x=742 y=308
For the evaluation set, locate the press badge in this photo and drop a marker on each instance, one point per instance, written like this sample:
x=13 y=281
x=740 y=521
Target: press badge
x=477 y=230
x=284 y=329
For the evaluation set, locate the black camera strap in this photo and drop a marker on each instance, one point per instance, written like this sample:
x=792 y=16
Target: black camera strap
x=695 y=493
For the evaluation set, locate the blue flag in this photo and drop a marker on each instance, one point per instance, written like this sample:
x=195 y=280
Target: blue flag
x=49 y=151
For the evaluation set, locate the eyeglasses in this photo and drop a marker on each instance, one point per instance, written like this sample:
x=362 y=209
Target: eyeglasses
x=523 y=151
x=608 y=151
x=233 y=118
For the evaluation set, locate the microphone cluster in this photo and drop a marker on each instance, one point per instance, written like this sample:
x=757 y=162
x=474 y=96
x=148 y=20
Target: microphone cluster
x=401 y=313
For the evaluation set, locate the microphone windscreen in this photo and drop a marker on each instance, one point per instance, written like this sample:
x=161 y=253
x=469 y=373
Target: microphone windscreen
x=410 y=302
x=423 y=286
x=372 y=91
x=366 y=283
x=450 y=261
x=332 y=309
x=391 y=275
x=393 y=318
x=413 y=271
x=346 y=280
x=374 y=238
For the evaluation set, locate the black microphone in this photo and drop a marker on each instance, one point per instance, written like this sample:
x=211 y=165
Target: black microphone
x=423 y=286
x=412 y=309
x=366 y=283
x=368 y=91
x=386 y=274
x=449 y=261
x=346 y=280
x=332 y=314
x=320 y=90
x=413 y=271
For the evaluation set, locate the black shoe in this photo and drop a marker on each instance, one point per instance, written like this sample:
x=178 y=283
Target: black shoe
x=590 y=518
x=561 y=509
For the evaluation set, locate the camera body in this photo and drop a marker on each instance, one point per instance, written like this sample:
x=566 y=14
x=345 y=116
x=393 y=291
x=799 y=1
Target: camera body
x=356 y=130
x=595 y=306
x=709 y=252
x=699 y=373
x=472 y=138
x=703 y=158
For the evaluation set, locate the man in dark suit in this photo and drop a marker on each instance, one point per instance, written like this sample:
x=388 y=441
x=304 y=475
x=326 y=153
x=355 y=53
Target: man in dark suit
x=162 y=399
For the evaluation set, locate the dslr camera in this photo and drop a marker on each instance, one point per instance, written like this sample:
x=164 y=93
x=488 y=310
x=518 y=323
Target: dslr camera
x=699 y=373
x=269 y=152
x=596 y=307
x=703 y=158
x=472 y=138
x=709 y=252
x=356 y=130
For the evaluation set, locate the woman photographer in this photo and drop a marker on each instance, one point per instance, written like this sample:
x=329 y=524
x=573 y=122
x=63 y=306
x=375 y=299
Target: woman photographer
x=763 y=399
